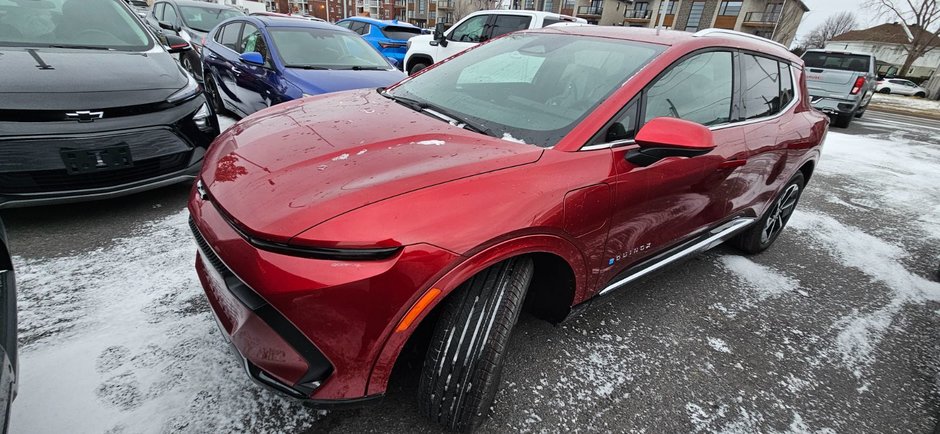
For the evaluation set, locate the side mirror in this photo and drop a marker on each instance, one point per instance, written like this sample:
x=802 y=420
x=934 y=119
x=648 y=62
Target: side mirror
x=439 y=29
x=252 y=58
x=670 y=137
x=176 y=44
x=167 y=26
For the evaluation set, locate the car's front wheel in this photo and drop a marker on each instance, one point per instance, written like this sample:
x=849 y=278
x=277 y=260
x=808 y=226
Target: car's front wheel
x=215 y=98
x=416 y=68
x=920 y=95
x=885 y=90
x=765 y=231
x=465 y=358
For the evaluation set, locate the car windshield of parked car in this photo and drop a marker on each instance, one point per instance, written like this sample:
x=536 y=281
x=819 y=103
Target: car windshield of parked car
x=205 y=19
x=400 y=33
x=301 y=47
x=531 y=87
x=88 y=24
x=841 y=61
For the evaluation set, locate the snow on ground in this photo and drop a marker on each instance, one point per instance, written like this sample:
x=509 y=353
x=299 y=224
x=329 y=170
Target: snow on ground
x=121 y=339
x=908 y=102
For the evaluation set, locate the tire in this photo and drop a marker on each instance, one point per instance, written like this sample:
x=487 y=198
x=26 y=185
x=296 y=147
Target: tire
x=885 y=90
x=858 y=114
x=462 y=369
x=417 y=67
x=920 y=95
x=214 y=97
x=843 y=121
x=765 y=231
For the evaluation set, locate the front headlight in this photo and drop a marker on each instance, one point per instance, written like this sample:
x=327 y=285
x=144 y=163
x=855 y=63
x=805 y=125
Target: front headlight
x=190 y=90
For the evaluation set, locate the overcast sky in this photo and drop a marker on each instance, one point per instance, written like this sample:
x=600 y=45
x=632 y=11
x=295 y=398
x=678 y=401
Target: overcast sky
x=819 y=10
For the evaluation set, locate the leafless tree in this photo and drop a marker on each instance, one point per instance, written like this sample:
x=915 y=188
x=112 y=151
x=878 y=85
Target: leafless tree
x=834 y=26
x=922 y=18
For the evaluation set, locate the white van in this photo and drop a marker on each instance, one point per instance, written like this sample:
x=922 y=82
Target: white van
x=473 y=29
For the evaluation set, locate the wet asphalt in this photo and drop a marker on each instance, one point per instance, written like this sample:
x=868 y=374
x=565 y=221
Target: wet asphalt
x=694 y=349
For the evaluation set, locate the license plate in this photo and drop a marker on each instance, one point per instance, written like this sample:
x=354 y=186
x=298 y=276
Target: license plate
x=96 y=160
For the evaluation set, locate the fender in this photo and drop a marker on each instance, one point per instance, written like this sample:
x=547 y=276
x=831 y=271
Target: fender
x=537 y=243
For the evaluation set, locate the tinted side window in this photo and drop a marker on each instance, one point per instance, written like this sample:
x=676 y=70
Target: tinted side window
x=169 y=15
x=158 y=11
x=786 y=85
x=253 y=40
x=344 y=24
x=229 y=36
x=761 y=86
x=508 y=23
x=624 y=128
x=470 y=30
x=697 y=89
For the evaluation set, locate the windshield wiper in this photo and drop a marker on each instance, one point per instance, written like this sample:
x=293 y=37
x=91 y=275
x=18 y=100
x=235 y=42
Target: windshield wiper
x=438 y=112
x=367 y=68
x=306 y=67
x=81 y=47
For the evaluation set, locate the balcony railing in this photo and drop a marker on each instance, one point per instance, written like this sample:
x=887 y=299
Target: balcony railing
x=590 y=10
x=446 y=4
x=637 y=14
x=399 y=3
x=761 y=17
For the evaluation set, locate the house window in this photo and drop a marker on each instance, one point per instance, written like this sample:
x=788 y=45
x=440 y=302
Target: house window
x=695 y=16
x=668 y=7
x=730 y=8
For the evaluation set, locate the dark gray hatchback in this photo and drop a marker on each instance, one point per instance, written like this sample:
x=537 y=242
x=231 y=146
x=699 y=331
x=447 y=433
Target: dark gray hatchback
x=92 y=105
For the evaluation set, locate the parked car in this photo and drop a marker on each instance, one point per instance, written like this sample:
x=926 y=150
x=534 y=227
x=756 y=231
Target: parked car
x=389 y=37
x=900 y=86
x=139 y=6
x=840 y=83
x=473 y=29
x=9 y=367
x=275 y=14
x=542 y=169
x=92 y=106
x=192 y=21
x=256 y=62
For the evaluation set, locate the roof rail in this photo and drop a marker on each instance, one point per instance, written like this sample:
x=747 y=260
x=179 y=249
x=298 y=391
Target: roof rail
x=713 y=31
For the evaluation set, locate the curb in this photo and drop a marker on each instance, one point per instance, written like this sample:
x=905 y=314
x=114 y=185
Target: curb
x=915 y=113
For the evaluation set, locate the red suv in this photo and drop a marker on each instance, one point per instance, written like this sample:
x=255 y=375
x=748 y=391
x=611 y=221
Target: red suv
x=540 y=170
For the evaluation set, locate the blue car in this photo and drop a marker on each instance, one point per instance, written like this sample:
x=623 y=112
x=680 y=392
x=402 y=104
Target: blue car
x=389 y=37
x=255 y=62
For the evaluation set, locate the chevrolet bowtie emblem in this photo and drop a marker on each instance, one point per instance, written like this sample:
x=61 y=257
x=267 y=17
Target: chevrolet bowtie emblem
x=84 y=116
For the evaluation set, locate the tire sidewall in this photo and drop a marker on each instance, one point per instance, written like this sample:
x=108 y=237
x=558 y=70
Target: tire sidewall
x=796 y=179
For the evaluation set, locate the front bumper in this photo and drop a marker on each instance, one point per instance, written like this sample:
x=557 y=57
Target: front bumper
x=166 y=147
x=311 y=329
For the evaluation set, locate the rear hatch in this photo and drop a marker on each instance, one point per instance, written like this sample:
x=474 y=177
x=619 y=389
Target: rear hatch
x=833 y=74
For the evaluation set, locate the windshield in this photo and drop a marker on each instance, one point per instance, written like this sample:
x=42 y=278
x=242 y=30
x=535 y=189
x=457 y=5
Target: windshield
x=300 y=47
x=90 y=24
x=530 y=87
x=205 y=19
x=400 y=32
x=841 y=61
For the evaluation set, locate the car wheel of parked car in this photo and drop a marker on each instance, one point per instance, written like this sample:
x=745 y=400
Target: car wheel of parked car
x=843 y=121
x=215 y=99
x=465 y=358
x=885 y=90
x=765 y=231
x=861 y=112
x=920 y=95
x=416 y=67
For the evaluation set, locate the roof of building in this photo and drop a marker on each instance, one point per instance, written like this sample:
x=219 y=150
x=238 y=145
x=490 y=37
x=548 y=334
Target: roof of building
x=889 y=33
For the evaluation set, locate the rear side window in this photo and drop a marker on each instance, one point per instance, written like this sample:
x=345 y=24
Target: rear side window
x=698 y=89
x=508 y=23
x=840 y=61
x=228 y=36
x=400 y=33
x=158 y=11
x=761 y=86
x=169 y=15
x=786 y=85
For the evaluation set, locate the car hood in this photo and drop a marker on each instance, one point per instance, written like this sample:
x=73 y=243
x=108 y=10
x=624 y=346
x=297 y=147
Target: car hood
x=70 y=79
x=290 y=167
x=316 y=82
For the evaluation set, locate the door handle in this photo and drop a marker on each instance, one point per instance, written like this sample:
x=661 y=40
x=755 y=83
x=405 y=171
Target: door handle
x=731 y=164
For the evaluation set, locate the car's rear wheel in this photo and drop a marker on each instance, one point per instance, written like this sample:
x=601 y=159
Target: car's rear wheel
x=765 y=231
x=843 y=121
x=465 y=358
x=885 y=90
x=920 y=95
x=215 y=98
x=417 y=67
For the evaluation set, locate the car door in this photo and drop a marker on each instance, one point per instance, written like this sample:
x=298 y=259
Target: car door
x=503 y=24
x=254 y=84
x=465 y=35
x=222 y=60
x=659 y=206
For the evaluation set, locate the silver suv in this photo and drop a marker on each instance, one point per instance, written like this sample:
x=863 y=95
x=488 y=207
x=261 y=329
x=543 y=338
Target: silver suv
x=840 y=83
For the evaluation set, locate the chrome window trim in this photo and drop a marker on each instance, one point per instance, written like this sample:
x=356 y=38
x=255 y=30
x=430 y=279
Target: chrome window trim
x=797 y=95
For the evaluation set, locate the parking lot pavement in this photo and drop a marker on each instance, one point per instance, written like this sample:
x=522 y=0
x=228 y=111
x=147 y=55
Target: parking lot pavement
x=834 y=329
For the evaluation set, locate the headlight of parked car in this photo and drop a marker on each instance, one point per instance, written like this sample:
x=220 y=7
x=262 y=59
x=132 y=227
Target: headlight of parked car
x=190 y=90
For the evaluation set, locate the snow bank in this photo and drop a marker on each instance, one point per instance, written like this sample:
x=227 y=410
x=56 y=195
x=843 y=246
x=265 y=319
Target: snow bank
x=908 y=102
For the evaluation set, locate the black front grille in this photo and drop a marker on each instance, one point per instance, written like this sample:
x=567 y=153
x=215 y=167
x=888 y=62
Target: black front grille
x=206 y=251
x=42 y=181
